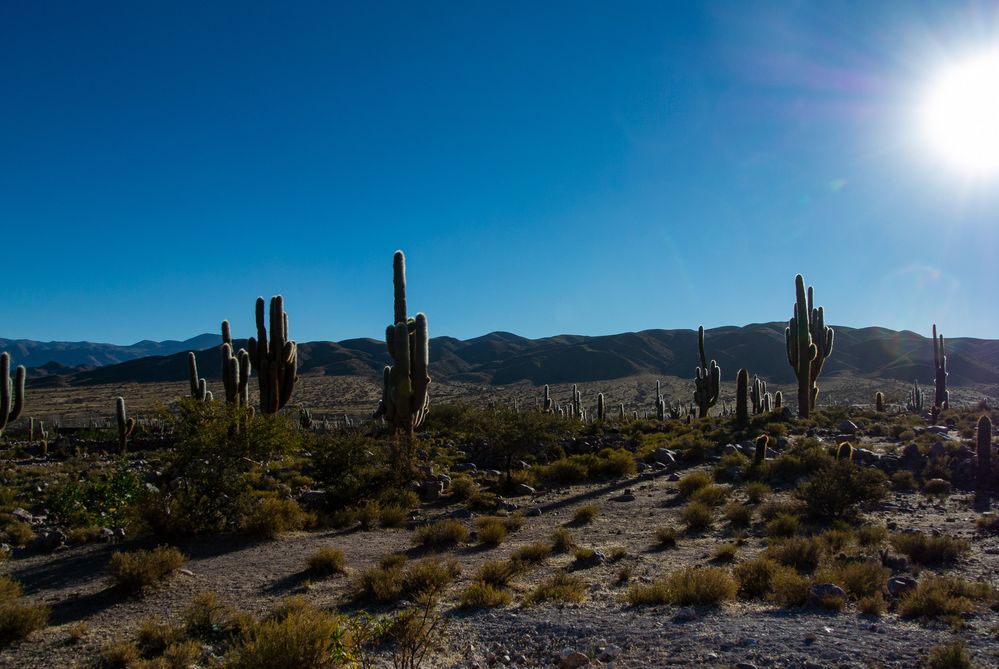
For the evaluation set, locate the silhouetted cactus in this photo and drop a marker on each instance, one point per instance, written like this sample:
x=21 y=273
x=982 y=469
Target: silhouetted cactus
x=405 y=396
x=844 y=451
x=916 y=398
x=236 y=375
x=941 y=397
x=305 y=418
x=199 y=387
x=879 y=402
x=11 y=392
x=547 y=406
x=778 y=401
x=984 y=477
x=620 y=412
x=707 y=379
x=274 y=358
x=760 y=453
x=809 y=343
x=756 y=393
x=125 y=425
x=600 y=407
x=742 y=397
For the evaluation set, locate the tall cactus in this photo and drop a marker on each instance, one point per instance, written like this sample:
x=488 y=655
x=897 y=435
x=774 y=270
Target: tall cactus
x=809 y=342
x=405 y=397
x=547 y=406
x=778 y=401
x=742 y=397
x=125 y=425
x=916 y=397
x=600 y=408
x=941 y=397
x=706 y=381
x=984 y=477
x=235 y=371
x=275 y=359
x=199 y=386
x=757 y=393
x=879 y=402
x=760 y=452
x=11 y=392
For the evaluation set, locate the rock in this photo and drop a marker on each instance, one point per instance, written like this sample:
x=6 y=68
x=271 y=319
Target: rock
x=899 y=585
x=664 y=456
x=673 y=477
x=185 y=572
x=911 y=452
x=106 y=534
x=462 y=513
x=574 y=660
x=594 y=560
x=464 y=467
x=730 y=449
x=47 y=541
x=847 y=426
x=937 y=429
x=506 y=505
x=533 y=512
x=445 y=479
x=608 y=653
x=521 y=489
x=431 y=490
x=22 y=515
x=821 y=591
x=495 y=473
x=686 y=614
x=313 y=499
x=745 y=665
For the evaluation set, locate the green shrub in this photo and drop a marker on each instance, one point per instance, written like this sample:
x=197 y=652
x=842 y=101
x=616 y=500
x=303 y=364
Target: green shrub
x=368 y=514
x=756 y=492
x=859 y=578
x=482 y=595
x=390 y=581
x=870 y=537
x=903 y=481
x=754 y=577
x=153 y=638
x=561 y=587
x=929 y=550
x=726 y=552
x=690 y=586
x=490 y=531
x=327 y=561
x=273 y=516
x=838 y=490
x=693 y=482
x=18 y=618
x=937 y=486
x=498 y=572
x=585 y=514
x=952 y=655
x=836 y=539
x=429 y=574
x=696 y=516
x=134 y=571
x=206 y=616
x=937 y=597
x=118 y=654
x=441 y=535
x=872 y=605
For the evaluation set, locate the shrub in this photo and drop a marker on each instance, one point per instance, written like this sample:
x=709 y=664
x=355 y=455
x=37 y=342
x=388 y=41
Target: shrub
x=726 y=552
x=936 y=597
x=949 y=656
x=118 y=654
x=836 y=539
x=937 y=486
x=392 y=515
x=178 y=656
x=440 y=535
x=872 y=605
x=18 y=619
x=783 y=525
x=903 y=481
x=838 y=490
x=859 y=578
x=463 y=487
x=690 y=586
x=802 y=553
x=480 y=595
x=154 y=638
x=498 y=572
x=585 y=514
x=303 y=637
x=561 y=587
x=491 y=531
x=696 y=516
x=757 y=491
x=754 y=577
x=272 y=516
x=141 y=569
x=562 y=540
x=206 y=616
x=740 y=516
x=666 y=536
x=327 y=561
x=788 y=588
x=18 y=533
x=871 y=537
x=929 y=550
x=693 y=482
x=532 y=553
x=711 y=495
x=583 y=557
x=617 y=553
x=389 y=581
x=430 y=574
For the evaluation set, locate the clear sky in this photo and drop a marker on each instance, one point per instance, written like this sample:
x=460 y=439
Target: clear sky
x=548 y=167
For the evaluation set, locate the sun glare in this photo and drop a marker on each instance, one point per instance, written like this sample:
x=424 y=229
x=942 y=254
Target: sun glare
x=960 y=115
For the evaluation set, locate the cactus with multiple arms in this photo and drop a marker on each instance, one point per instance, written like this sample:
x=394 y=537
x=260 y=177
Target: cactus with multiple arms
x=126 y=425
x=916 y=397
x=405 y=398
x=809 y=342
x=707 y=379
x=274 y=358
x=757 y=393
x=199 y=387
x=941 y=397
x=11 y=392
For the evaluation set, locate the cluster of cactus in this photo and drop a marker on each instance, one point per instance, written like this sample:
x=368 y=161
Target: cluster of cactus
x=809 y=342
x=236 y=368
x=126 y=425
x=879 y=402
x=984 y=477
x=405 y=397
x=941 y=397
x=762 y=400
x=11 y=392
x=707 y=379
x=916 y=398
x=305 y=418
x=274 y=358
x=199 y=387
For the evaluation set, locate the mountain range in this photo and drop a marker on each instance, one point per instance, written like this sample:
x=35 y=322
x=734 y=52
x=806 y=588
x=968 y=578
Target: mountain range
x=501 y=357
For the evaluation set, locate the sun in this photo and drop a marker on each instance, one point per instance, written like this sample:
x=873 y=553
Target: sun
x=960 y=115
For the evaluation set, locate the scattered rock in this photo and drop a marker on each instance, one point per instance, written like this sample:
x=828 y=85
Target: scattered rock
x=533 y=512
x=686 y=614
x=847 y=426
x=522 y=489
x=822 y=591
x=574 y=660
x=22 y=515
x=899 y=585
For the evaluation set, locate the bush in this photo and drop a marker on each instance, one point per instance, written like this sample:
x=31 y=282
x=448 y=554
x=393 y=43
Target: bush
x=859 y=578
x=726 y=552
x=490 y=531
x=690 y=586
x=481 y=595
x=132 y=572
x=498 y=572
x=272 y=516
x=440 y=535
x=532 y=554
x=871 y=537
x=327 y=561
x=585 y=514
x=154 y=638
x=949 y=656
x=938 y=487
x=463 y=487
x=838 y=490
x=562 y=540
x=936 y=597
x=392 y=515
x=389 y=581
x=802 y=553
x=118 y=655
x=836 y=539
x=693 y=482
x=929 y=550
x=903 y=481
x=206 y=616
x=368 y=514
x=783 y=525
x=757 y=491
x=711 y=495
x=872 y=605
x=696 y=516
x=740 y=516
x=754 y=577
x=788 y=588
x=429 y=575
x=666 y=536
x=18 y=619
x=561 y=587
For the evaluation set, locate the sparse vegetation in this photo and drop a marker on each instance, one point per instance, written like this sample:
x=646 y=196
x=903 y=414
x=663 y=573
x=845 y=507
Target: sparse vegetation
x=18 y=618
x=585 y=514
x=930 y=550
x=134 y=571
x=327 y=562
x=691 y=586
x=561 y=587
x=441 y=535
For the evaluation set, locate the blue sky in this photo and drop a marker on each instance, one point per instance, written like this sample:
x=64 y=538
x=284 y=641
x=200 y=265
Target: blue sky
x=583 y=167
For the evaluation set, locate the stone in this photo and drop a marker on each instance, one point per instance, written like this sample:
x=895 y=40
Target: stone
x=730 y=449
x=533 y=512
x=574 y=660
x=462 y=513
x=821 y=591
x=847 y=426
x=608 y=653
x=521 y=489
x=313 y=499
x=911 y=452
x=745 y=665
x=899 y=585
x=47 y=541
x=431 y=490
x=686 y=614
x=22 y=515
x=664 y=455
x=464 y=467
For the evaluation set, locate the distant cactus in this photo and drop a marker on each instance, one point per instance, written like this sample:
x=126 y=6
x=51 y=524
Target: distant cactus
x=809 y=343
x=11 y=392
x=274 y=358
x=305 y=418
x=984 y=477
x=767 y=403
x=742 y=397
x=760 y=453
x=547 y=406
x=620 y=412
x=756 y=393
x=941 y=398
x=405 y=396
x=879 y=402
x=778 y=401
x=706 y=381
x=125 y=425
x=916 y=398
x=600 y=408
x=844 y=451
x=199 y=386
x=660 y=407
